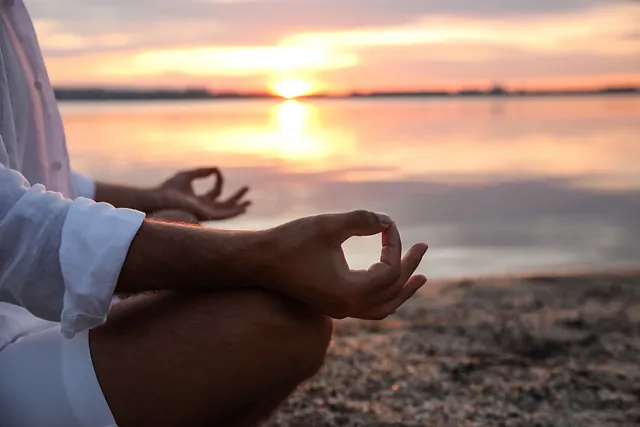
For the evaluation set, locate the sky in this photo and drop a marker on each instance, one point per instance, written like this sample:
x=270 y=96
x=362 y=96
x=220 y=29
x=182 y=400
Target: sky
x=340 y=45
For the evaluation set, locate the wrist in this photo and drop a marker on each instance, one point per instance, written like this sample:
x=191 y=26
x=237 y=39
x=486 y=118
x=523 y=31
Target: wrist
x=121 y=196
x=238 y=258
x=152 y=200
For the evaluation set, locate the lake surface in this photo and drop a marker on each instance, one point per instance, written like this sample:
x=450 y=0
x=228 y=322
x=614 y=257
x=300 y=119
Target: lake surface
x=495 y=186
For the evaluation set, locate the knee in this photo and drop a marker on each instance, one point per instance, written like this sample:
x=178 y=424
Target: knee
x=304 y=333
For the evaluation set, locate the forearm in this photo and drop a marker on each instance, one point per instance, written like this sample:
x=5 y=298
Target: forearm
x=166 y=256
x=122 y=196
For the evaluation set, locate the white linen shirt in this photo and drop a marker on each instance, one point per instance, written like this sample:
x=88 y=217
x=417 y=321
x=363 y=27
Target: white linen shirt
x=60 y=252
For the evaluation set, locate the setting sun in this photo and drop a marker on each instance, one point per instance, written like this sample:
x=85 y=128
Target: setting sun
x=292 y=88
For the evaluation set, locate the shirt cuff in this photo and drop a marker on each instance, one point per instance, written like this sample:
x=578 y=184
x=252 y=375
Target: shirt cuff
x=95 y=241
x=83 y=185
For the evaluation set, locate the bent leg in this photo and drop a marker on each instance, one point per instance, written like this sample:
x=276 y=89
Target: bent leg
x=175 y=359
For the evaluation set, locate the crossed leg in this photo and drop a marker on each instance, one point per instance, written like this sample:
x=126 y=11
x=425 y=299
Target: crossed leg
x=205 y=358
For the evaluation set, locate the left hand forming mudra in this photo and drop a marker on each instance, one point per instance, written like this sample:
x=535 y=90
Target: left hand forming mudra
x=177 y=193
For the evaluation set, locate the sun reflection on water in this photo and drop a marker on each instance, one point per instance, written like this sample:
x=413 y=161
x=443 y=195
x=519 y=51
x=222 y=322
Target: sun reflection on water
x=592 y=142
x=298 y=138
x=293 y=134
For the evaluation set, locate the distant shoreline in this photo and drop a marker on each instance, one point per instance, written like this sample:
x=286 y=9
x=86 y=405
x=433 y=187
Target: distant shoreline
x=104 y=94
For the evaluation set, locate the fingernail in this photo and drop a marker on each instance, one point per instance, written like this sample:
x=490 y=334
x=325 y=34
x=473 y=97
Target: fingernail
x=384 y=219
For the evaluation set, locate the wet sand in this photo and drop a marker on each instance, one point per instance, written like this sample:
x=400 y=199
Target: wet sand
x=545 y=350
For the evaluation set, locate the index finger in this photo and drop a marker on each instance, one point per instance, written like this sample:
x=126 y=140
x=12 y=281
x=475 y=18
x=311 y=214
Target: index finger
x=391 y=253
x=198 y=173
x=216 y=191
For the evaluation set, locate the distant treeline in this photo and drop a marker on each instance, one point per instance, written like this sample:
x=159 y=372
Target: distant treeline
x=499 y=91
x=104 y=94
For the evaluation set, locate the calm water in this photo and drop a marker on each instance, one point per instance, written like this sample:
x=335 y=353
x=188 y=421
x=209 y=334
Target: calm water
x=494 y=185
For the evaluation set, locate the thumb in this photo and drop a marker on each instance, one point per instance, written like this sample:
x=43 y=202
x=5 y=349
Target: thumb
x=360 y=223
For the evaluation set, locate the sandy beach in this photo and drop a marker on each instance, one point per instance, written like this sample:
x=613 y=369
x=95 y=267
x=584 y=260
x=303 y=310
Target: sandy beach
x=543 y=350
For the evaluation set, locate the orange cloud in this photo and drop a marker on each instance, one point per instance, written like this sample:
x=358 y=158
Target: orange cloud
x=425 y=52
x=598 y=30
x=241 y=60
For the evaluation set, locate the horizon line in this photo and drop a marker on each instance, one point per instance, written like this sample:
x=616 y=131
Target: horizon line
x=110 y=93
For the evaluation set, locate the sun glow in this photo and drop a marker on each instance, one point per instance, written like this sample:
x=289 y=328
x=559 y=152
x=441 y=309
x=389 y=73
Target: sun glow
x=292 y=88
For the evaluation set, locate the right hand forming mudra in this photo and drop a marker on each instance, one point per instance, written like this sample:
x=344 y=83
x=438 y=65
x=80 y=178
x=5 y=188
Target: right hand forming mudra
x=306 y=262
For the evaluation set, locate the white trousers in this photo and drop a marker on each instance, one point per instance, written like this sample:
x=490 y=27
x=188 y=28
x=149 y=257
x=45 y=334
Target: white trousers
x=49 y=381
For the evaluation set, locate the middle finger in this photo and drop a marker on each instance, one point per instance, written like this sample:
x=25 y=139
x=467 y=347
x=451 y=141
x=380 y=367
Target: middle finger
x=409 y=264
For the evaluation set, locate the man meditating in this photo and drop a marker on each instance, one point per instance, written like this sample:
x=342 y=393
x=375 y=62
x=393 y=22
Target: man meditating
x=221 y=326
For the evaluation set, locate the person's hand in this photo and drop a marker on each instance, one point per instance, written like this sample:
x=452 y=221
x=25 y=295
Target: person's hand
x=177 y=193
x=306 y=262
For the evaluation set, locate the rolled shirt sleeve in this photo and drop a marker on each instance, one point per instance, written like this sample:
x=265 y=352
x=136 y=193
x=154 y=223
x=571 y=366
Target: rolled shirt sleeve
x=60 y=259
x=95 y=241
